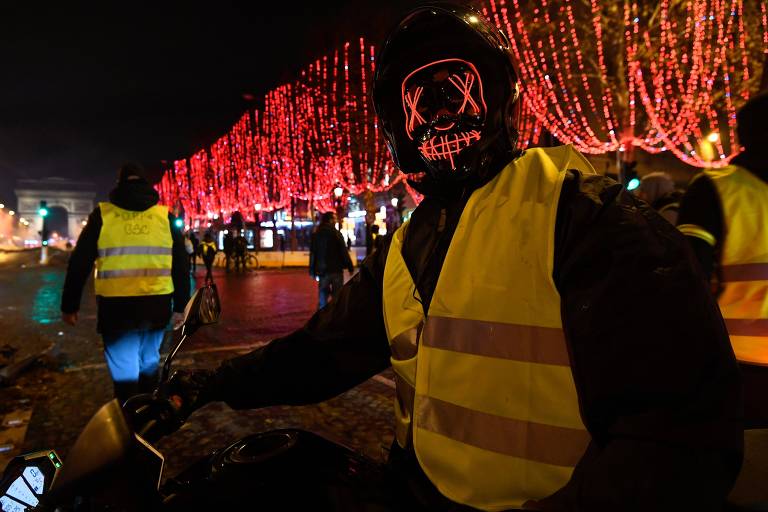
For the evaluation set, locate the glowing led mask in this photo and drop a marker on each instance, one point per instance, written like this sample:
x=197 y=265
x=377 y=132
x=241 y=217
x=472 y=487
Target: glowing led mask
x=444 y=110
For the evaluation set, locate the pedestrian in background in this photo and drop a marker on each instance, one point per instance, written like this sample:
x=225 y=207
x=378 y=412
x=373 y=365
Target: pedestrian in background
x=193 y=258
x=142 y=276
x=228 y=246
x=188 y=245
x=240 y=251
x=208 y=253
x=328 y=257
x=376 y=239
x=658 y=190
x=724 y=216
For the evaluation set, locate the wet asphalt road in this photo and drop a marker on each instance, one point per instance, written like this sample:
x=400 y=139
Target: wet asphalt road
x=256 y=307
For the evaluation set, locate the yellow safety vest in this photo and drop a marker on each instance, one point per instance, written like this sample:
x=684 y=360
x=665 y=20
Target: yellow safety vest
x=744 y=261
x=484 y=387
x=135 y=252
x=207 y=246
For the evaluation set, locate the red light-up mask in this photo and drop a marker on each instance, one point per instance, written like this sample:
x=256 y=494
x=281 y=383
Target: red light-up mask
x=444 y=110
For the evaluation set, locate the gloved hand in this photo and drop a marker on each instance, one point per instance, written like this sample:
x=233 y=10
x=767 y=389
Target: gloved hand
x=188 y=390
x=152 y=416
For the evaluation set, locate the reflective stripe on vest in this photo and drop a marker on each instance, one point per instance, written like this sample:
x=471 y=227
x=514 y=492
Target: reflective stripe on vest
x=207 y=246
x=744 y=261
x=484 y=387
x=135 y=252
x=121 y=251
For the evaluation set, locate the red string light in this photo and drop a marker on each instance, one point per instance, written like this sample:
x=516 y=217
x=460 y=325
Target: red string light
x=684 y=72
x=684 y=76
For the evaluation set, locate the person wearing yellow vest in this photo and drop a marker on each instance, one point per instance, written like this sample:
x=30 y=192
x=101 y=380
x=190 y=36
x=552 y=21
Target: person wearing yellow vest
x=208 y=253
x=552 y=346
x=142 y=275
x=724 y=216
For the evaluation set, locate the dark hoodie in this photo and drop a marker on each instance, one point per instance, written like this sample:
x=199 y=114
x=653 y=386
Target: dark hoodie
x=118 y=314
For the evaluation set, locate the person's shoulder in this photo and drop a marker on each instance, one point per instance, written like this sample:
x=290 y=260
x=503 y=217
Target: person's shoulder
x=589 y=190
x=701 y=189
x=95 y=215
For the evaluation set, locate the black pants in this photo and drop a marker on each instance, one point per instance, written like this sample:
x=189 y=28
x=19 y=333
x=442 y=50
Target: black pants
x=754 y=381
x=239 y=261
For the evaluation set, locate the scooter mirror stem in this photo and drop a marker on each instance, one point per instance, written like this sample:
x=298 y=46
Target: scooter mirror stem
x=168 y=360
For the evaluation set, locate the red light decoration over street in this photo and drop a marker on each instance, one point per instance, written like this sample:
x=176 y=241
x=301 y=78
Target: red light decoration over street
x=604 y=85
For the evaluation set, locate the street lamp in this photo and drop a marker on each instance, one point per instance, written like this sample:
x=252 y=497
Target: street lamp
x=394 y=202
x=338 y=192
x=11 y=213
x=2 y=206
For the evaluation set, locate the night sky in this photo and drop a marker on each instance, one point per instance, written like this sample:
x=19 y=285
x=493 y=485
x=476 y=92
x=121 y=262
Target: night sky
x=85 y=88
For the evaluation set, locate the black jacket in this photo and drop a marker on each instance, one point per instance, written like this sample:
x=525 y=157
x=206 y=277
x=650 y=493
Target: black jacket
x=118 y=314
x=657 y=381
x=328 y=253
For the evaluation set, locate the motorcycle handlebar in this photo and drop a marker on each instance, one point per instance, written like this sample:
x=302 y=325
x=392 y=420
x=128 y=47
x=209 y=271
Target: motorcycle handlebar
x=152 y=416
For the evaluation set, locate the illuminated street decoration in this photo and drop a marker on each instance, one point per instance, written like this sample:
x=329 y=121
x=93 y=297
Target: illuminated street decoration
x=605 y=76
x=678 y=70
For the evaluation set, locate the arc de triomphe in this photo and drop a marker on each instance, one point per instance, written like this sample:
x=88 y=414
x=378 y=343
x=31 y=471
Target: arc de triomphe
x=76 y=197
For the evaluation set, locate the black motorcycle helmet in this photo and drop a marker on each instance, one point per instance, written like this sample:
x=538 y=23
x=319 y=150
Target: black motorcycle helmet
x=446 y=93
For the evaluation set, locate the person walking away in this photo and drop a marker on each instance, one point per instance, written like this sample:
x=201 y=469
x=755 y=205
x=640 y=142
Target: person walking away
x=371 y=232
x=142 y=277
x=724 y=216
x=537 y=365
x=328 y=257
x=228 y=246
x=193 y=258
x=208 y=254
x=188 y=245
x=240 y=252
x=376 y=238
x=658 y=190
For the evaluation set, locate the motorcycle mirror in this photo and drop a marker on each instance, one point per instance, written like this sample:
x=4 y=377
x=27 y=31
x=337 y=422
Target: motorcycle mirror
x=104 y=442
x=202 y=309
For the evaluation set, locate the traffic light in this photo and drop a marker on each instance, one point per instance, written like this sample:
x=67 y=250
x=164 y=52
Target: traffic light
x=629 y=176
x=179 y=223
x=43 y=211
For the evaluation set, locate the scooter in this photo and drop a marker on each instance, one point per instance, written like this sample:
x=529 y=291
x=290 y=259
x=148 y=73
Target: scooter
x=114 y=466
